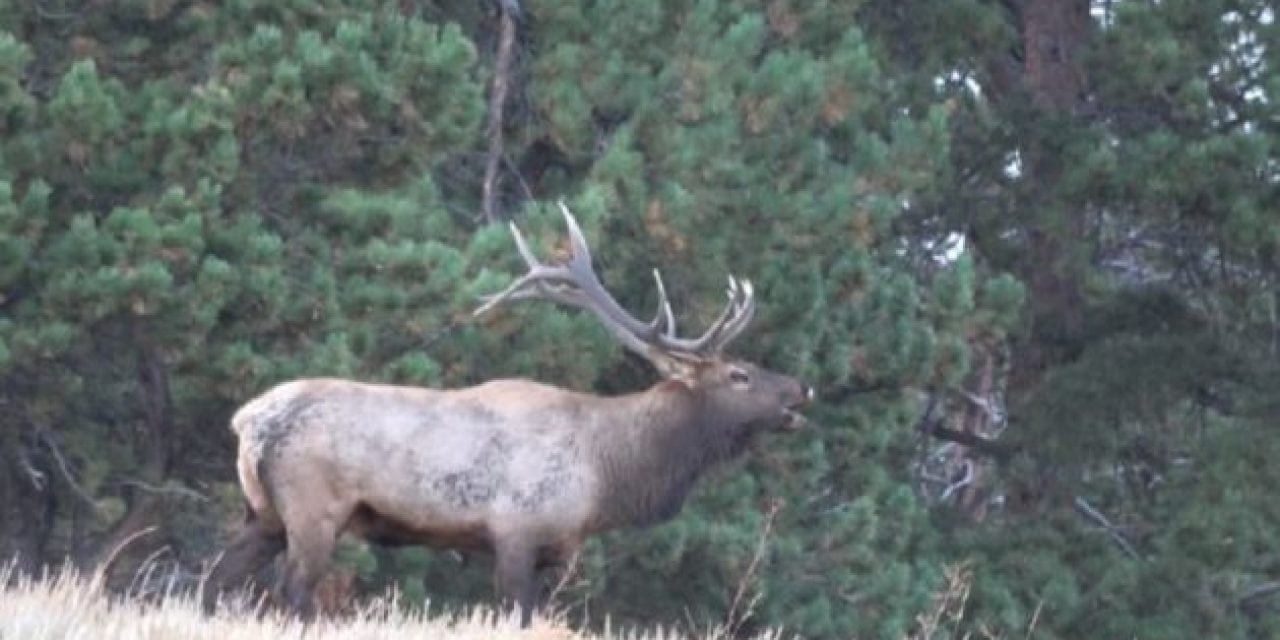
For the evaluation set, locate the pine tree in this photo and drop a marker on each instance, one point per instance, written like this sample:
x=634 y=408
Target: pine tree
x=198 y=200
x=201 y=200
x=197 y=203
x=763 y=141
x=1119 y=159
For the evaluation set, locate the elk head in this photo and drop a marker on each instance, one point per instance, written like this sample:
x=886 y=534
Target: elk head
x=736 y=394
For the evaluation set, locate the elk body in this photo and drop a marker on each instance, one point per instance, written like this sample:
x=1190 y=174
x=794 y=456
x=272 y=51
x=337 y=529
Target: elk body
x=522 y=469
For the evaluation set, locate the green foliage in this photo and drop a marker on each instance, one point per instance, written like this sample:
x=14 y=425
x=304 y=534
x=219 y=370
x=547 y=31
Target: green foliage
x=166 y=252
x=1135 y=207
x=232 y=196
x=744 y=145
x=198 y=200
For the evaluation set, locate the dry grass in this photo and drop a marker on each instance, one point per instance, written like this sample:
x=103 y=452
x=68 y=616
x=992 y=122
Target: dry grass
x=944 y=618
x=69 y=607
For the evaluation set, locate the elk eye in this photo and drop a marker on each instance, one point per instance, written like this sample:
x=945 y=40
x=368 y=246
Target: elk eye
x=739 y=376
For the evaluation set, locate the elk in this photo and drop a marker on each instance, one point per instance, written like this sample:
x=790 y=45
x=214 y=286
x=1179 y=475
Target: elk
x=521 y=469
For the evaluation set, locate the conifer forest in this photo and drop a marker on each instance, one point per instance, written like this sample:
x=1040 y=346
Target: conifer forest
x=1027 y=252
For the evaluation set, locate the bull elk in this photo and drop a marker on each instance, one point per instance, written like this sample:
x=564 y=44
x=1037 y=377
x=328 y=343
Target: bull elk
x=512 y=466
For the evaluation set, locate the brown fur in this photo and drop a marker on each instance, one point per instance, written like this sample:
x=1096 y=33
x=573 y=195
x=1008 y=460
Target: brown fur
x=519 y=468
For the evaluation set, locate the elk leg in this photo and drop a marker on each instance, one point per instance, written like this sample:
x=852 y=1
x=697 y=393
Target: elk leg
x=515 y=578
x=310 y=550
x=254 y=546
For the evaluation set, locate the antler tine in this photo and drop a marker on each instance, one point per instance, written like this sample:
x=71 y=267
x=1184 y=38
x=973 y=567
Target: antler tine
x=664 y=307
x=523 y=246
x=745 y=310
x=576 y=284
x=581 y=253
x=582 y=273
x=730 y=320
x=517 y=290
x=709 y=338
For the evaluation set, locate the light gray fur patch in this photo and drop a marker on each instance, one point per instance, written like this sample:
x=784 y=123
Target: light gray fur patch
x=273 y=431
x=551 y=484
x=480 y=481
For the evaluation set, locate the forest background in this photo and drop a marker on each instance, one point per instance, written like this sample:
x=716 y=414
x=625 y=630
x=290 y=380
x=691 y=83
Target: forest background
x=1025 y=249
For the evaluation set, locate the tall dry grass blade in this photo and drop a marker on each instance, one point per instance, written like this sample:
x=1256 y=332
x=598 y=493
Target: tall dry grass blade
x=99 y=578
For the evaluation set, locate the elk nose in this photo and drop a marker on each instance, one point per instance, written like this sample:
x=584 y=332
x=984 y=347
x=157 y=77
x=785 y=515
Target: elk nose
x=804 y=392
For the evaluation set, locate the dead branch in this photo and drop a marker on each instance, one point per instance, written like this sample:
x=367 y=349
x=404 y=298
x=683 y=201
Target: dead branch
x=981 y=404
x=994 y=448
x=964 y=481
x=1255 y=594
x=65 y=468
x=566 y=576
x=737 y=613
x=167 y=489
x=37 y=476
x=1101 y=520
x=933 y=422
x=508 y=11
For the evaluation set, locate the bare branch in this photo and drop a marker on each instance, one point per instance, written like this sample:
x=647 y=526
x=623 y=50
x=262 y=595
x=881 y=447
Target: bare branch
x=65 y=468
x=981 y=404
x=1093 y=514
x=508 y=11
x=48 y=14
x=37 y=476
x=1251 y=596
x=994 y=448
x=515 y=171
x=738 y=613
x=567 y=575
x=168 y=488
x=964 y=481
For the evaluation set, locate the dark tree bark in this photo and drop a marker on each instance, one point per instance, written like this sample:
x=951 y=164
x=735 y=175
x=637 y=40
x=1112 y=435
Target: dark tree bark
x=27 y=503
x=1054 y=32
x=154 y=441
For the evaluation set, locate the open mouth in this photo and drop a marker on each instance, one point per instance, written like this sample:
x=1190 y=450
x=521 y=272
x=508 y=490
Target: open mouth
x=793 y=419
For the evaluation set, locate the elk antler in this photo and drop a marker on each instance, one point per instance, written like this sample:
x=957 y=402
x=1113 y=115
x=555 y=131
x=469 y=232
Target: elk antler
x=575 y=283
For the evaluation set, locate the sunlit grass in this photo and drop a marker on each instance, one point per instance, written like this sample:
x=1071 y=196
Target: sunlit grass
x=66 y=606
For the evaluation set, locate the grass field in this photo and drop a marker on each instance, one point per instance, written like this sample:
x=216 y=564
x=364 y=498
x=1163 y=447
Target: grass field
x=68 y=607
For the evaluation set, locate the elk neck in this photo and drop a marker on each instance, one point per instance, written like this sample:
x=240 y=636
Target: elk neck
x=650 y=448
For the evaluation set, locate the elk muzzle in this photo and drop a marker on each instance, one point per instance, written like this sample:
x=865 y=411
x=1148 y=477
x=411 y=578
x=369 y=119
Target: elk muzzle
x=798 y=397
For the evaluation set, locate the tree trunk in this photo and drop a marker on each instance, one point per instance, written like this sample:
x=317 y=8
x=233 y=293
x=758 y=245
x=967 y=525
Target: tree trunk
x=154 y=442
x=1054 y=33
x=1050 y=85
x=27 y=505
